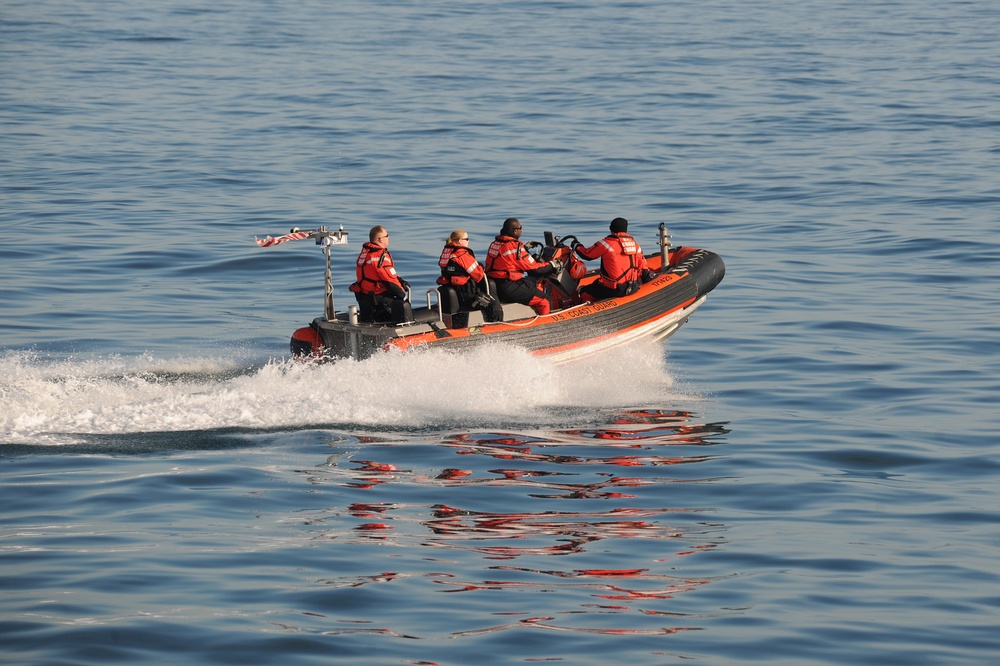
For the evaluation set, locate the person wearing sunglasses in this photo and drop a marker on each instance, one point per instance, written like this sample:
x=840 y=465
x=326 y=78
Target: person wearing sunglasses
x=461 y=271
x=382 y=295
x=516 y=272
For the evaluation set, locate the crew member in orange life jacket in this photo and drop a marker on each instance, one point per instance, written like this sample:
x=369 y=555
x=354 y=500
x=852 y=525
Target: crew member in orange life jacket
x=516 y=272
x=460 y=270
x=380 y=292
x=623 y=266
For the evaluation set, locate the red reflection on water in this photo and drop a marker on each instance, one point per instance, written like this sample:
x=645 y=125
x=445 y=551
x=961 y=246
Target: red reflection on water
x=368 y=527
x=359 y=581
x=368 y=510
x=452 y=473
x=472 y=530
x=609 y=572
x=627 y=416
x=606 y=574
x=545 y=622
x=664 y=428
x=645 y=587
x=372 y=466
x=372 y=474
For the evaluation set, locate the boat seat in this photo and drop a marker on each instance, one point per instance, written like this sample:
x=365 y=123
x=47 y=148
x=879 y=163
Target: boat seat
x=400 y=311
x=425 y=315
x=455 y=317
x=451 y=311
x=448 y=298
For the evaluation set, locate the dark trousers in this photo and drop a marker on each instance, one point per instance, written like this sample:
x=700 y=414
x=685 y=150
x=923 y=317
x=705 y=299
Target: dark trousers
x=382 y=308
x=522 y=291
x=598 y=292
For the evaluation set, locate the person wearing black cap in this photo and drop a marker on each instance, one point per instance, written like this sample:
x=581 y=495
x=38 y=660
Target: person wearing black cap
x=623 y=266
x=516 y=272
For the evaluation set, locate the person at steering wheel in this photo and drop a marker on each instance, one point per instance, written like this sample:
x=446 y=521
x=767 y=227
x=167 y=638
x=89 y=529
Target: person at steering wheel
x=516 y=272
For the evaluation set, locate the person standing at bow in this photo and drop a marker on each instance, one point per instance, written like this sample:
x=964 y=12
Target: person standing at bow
x=460 y=270
x=623 y=266
x=516 y=272
x=381 y=293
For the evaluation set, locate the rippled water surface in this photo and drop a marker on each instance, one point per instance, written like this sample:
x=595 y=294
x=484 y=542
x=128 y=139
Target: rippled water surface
x=806 y=473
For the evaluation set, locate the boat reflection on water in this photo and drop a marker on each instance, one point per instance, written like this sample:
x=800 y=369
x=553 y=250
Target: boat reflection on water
x=622 y=545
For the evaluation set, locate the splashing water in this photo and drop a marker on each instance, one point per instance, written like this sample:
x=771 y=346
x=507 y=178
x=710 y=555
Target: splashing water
x=48 y=402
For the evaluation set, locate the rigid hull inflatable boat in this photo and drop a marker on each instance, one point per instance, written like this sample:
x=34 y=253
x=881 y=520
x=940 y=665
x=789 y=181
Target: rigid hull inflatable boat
x=573 y=329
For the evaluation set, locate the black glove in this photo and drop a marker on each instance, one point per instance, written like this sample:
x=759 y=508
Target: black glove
x=395 y=291
x=481 y=301
x=648 y=276
x=531 y=245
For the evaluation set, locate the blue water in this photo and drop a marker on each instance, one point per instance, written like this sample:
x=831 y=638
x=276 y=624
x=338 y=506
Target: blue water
x=807 y=473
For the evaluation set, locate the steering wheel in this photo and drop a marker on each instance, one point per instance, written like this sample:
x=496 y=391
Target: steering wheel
x=535 y=249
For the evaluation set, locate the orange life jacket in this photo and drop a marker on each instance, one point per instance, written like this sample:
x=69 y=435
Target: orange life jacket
x=374 y=268
x=621 y=259
x=458 y=266
x=507 y=259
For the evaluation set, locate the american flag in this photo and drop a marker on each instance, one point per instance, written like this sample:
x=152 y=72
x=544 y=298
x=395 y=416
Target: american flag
x=294 y=235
